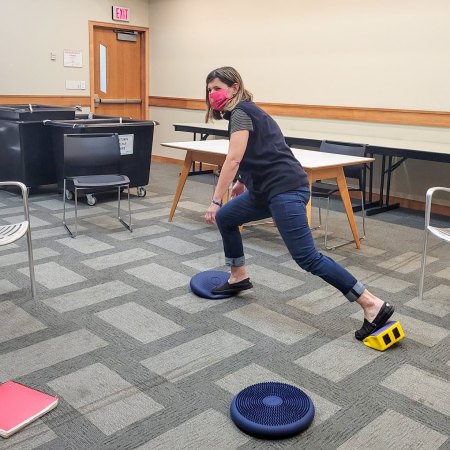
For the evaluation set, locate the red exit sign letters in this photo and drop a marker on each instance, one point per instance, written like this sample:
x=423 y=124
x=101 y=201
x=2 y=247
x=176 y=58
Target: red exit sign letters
x=121 y=14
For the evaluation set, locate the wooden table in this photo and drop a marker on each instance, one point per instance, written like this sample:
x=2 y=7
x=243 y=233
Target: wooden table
x=318 y=166
x=393 y=152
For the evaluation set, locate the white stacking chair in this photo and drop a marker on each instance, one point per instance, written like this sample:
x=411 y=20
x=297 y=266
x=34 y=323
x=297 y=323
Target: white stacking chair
x=15 y=231
x=441 y=233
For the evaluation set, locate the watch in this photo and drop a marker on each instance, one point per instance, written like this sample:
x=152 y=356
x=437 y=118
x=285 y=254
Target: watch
x=215 y=202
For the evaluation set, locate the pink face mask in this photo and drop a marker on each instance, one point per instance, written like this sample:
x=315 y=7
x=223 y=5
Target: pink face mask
x=218 y=99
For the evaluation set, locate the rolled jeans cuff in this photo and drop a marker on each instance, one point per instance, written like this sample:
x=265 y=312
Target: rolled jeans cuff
x=235 y=262
x=355 y=292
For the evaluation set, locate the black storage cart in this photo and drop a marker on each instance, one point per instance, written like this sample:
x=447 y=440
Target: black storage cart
x=25 y=143
x=136 y=142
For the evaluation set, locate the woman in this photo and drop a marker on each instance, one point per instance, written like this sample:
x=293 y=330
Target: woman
x=271 y=183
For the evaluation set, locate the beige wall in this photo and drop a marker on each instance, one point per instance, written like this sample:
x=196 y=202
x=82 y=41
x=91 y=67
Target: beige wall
x=31 y=29
x=371 y=53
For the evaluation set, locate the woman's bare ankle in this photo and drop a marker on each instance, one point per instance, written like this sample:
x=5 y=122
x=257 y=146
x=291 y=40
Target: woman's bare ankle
x=237 y=274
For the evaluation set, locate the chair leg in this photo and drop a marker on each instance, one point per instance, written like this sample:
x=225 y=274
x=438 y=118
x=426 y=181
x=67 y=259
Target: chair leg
x=424 y=263
x=31 y=263
x=363 y=224
x=320 y=215
x=126 y=225
x=30 y=247
x=64 y=213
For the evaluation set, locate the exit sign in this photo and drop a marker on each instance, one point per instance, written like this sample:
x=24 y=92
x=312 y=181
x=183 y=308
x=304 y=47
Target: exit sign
x=121 y=14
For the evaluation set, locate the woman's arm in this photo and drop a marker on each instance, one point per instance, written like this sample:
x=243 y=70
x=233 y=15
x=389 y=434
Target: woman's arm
x=236 y=150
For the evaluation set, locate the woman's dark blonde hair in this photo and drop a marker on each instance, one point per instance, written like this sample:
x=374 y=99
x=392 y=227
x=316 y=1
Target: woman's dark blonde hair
x=229 y=76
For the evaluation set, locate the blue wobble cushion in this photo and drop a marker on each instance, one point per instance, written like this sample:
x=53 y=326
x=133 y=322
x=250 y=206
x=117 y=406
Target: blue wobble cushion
x=202 y=283
x=272 y=410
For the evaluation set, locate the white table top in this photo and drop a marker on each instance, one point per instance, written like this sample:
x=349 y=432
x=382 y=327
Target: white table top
x=309 y=159
x=423 y=146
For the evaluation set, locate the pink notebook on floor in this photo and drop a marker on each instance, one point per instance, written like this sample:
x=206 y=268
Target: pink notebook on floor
x=21 y=405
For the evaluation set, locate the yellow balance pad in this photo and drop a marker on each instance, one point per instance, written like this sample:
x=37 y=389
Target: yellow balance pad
x=385 y=337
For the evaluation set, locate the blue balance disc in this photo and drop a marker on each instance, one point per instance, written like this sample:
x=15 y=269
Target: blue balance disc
x=202 y=283
x=272 y=410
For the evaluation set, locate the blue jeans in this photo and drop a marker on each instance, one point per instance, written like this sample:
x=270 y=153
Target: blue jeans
x=288 y=210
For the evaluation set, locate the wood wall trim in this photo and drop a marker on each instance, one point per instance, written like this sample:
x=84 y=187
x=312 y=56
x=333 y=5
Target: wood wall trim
x=379 y=115
x=54 y=100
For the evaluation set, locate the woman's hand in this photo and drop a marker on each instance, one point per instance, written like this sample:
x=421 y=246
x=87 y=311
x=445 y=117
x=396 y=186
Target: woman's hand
x=237 y=189
x=210 y=216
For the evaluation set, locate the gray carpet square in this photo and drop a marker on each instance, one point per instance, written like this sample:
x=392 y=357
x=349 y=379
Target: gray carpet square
x=277 y=326
x=193 y=206
x=339 y=358
x=208 y=262
x=88 y=296
x=139 y=322
x=272 y=279
x=193 y=304
x=106 y=399
x=51 y=232
x=47 y=353
x=366 y=250
x=187 y=224
x=176 y=245
x=209 y=236
x=6 y=286
x=319 y=301
x=138 y=232
x=151 y=214
x=405 y=263
x=35 y=222
x=268 y=247
x=108 y=222
x=118 y=259
x=85 y=244
x=54 y=204
x=54 y=276
x=18 y=322
x=394 y=427
x=22 y=257
x=445 y=273
x=421 y=386
x=160 y=276
x=435 y=301
x=32 y=436
x=82 y=212
x=195 y=355
x=202 y=432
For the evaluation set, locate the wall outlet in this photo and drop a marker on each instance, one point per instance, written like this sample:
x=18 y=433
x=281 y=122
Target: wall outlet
x=77 y=85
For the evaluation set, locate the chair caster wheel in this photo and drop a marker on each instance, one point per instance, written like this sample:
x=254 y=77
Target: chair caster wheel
x=91 y=200
x=141 y=192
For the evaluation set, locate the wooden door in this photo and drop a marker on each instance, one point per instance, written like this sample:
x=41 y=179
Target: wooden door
x=119 y=70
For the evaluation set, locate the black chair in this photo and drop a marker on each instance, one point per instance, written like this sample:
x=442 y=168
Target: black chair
x=92 y=164
x=321 y=189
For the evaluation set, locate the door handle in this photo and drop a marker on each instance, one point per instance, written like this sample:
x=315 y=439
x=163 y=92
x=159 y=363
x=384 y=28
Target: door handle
x=121 y=100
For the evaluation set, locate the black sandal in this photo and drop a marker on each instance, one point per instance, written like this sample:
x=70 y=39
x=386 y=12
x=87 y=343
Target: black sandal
x=232 y=288
x=382 y=317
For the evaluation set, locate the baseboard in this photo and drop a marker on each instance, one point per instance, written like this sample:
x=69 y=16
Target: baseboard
x=404 y=202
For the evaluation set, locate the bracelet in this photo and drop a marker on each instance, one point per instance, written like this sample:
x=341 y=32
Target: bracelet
x=215 y=202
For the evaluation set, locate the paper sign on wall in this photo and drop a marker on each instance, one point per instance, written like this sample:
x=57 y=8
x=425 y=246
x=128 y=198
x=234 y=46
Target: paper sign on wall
x=126 y=142
x=73 y=58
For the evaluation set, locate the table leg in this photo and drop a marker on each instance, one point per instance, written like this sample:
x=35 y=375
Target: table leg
x=308 y=205
x=181 y=182
x=343 y=190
